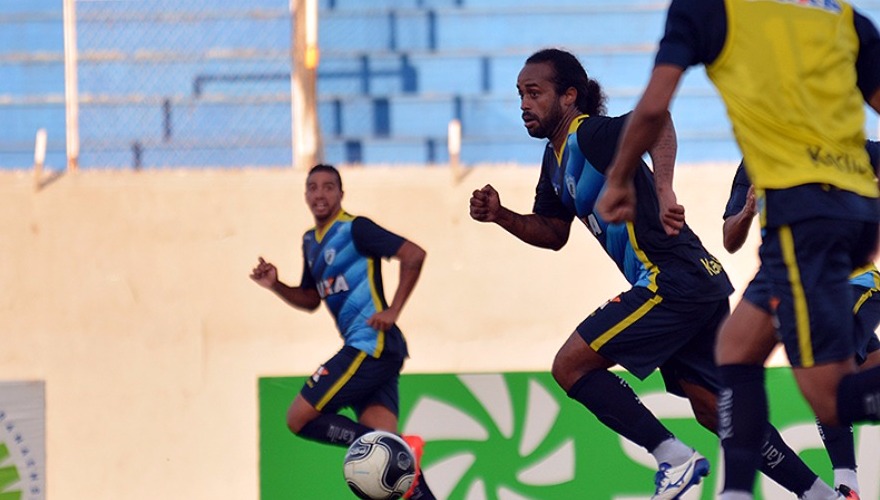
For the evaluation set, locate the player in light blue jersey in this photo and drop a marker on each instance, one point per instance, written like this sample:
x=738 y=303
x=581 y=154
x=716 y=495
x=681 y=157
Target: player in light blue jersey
x=794 y=77
x=342 y=265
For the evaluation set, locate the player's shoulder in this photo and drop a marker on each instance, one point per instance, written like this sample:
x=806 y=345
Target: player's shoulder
x=597 y=124
x=360 y=220
x=363 y=226
x=684 y=10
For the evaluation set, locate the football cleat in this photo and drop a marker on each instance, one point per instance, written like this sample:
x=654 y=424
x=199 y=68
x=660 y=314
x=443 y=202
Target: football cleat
x=671 y=481
x=417 y=445
x=848 y=493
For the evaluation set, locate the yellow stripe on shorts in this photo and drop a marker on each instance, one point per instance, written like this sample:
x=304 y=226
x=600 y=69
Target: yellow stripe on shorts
x=801 y=311
x=632 y=318
x=352 y=368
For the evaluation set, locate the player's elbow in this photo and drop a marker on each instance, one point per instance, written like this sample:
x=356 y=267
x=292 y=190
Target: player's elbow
x=732 y=239
x=411 y=255
x=557 y=247
x=553 y=234
x=419 y=255
x=558 y=242
x=731 y=245
x=656 y=116
x=309 y=300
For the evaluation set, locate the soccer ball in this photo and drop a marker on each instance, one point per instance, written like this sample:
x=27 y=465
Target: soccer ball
x=379 y=466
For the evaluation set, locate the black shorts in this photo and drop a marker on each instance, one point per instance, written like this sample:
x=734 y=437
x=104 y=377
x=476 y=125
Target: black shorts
x=352 y=378
x=807 y=265
x=866 y=309
x=642 y=332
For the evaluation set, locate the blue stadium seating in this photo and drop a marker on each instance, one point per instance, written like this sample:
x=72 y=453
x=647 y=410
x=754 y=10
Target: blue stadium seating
x=392 y=74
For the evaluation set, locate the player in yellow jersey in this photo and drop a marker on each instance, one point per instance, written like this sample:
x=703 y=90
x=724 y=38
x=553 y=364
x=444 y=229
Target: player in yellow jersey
x=793 y=76
x=741 y=209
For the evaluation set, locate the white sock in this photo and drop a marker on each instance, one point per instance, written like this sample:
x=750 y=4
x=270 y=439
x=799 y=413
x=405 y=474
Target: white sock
x=847 y=477
x=735 y=495
x=819 y=491
x=673 y=452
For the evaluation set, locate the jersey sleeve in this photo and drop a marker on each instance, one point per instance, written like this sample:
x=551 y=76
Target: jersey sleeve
x=597 y=139
x=873 y=148
x=739 y=191
x=307 y=280
x=373 y=240
x=695 y=33
x=868 y=61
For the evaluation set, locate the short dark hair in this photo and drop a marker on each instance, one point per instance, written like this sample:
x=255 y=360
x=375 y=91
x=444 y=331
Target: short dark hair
x=569 y=72
x=322 y=167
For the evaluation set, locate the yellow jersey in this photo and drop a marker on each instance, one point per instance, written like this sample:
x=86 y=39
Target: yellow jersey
x=787 y=76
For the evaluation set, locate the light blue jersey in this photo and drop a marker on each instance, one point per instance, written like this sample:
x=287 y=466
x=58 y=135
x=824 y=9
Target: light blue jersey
x=343 y=263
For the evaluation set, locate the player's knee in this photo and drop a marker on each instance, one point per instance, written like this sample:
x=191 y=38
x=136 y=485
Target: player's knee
x=708 y=418
x=293 y=426
x=294 y=423
x=565 y=374
x=826 y=413
x=560 y=373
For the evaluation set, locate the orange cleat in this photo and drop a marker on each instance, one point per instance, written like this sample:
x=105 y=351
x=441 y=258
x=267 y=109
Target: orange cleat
x=848 y=493
x=417 y=445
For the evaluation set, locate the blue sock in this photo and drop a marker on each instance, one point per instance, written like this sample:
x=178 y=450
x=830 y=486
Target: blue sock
x=838 y=441
x=742 y=408
x=615 y=404
x=858 y=397
x=333 y=429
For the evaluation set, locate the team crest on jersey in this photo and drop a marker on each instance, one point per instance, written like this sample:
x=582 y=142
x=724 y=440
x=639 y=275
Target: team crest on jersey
x=329 y=256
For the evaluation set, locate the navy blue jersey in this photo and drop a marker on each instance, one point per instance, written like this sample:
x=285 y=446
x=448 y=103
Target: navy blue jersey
x=675 y=267
x=343 y=263
x=873 y=148
x=739 y=191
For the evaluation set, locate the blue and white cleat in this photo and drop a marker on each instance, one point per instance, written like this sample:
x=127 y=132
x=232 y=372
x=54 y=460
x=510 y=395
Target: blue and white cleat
x=671 y=481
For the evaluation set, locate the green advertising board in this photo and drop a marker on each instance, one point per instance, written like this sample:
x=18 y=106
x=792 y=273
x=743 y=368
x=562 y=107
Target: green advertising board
x=517 y=436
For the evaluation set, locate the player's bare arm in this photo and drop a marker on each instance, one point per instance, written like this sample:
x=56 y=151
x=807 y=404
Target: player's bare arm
x=265 y=274
x=736 y=227
x=617 y=203
x=663 y=159
x=875 y=100
x=411 y=257
x=537 y=230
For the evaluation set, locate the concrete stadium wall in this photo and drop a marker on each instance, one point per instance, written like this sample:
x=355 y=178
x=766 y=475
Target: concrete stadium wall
x=128 y=293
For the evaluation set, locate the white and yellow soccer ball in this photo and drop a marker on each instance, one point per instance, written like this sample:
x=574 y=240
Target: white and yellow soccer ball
x=379 y=466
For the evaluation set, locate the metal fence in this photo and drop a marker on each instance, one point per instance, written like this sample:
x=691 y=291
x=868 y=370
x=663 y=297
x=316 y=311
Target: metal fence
x=207 y=83
x=160 y=82
x=203 y=82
